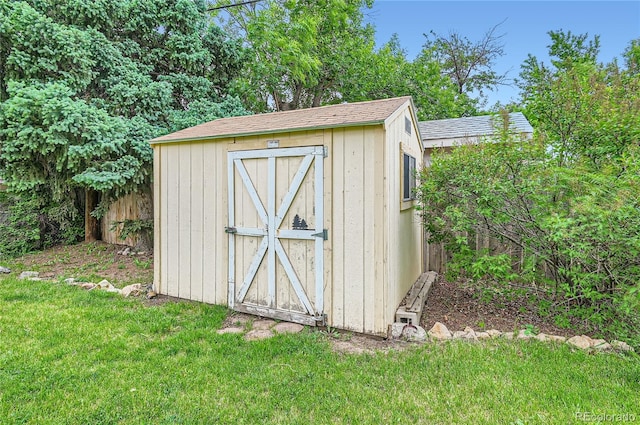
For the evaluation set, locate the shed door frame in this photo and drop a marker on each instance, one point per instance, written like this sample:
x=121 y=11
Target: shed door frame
x=272 y=217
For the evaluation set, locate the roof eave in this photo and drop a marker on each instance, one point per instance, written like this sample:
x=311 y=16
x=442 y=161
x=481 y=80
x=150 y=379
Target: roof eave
x=257 y=133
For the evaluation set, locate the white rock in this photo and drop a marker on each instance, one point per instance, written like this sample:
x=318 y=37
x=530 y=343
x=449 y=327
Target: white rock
x=265 y=324
x=523 y=334
x=470 y=334
x=414 y=333
x=458 y=334
x=483 y=335
x=542 y=337
x=494 y=333
x=581 y=341
x=104 y=284
x=88 y=285
x=556 y=338
x=258 y=334
x=395 y=330
x=4 y=270
x=131 y=290
x=288 y=328
x=28 y=275
x=508 y=335
x=601 y=345
x=439 y=331
x=70 y=281
x=621 y=346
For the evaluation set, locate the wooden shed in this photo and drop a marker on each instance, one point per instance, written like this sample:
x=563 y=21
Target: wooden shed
x=303 y=215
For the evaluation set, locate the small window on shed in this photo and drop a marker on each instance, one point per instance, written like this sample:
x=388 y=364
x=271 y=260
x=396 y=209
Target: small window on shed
x=407 y=125
x=408 y=177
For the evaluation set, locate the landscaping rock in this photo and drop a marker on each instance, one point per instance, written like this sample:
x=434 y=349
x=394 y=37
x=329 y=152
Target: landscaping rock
x=28 y=275
x=395 y=330
x=151 y=294
x=5 y=270
x=483 y=335
x=523 y=334
x=581 y=341
x=621 y=346
x=261 y=325
x=494 y=333
x=258 y=334
x=508 y=335
x=70 y=281
x=414 y=333
x=232 y=330
x=134 y=290
x=556 y=338
x=542 y=337
x=601 y=345
x=288 y=328
x=88 y=286
x=439 y=331
x=125 y=251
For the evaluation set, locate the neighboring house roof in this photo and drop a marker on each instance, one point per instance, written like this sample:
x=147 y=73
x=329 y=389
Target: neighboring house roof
x=468 y=127
x=341 y=115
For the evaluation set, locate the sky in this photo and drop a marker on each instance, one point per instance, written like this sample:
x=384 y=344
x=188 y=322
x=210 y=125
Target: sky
x=525 y=27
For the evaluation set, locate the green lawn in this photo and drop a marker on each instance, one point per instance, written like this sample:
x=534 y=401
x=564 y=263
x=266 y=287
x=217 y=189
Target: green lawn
x=69 y=356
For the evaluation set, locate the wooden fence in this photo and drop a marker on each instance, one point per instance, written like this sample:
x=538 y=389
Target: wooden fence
x=125 y=208
x=436 y=256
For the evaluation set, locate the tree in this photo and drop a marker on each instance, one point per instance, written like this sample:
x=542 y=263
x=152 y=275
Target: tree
x=468 y=64
x=586 y=110
x=300 y=50
x=86 y=84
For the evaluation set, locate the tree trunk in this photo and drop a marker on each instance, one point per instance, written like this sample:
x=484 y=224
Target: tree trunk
x=91 y=224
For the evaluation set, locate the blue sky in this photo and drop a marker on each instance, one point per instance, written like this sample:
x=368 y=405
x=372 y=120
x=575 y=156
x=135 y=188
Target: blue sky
x=525 y=27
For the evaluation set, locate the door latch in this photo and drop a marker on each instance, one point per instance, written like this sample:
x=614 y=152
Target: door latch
x=230 y=230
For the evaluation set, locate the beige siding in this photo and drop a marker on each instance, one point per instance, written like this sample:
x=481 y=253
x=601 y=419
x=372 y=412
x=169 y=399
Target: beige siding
x=405 y=232
x=357 y=231
x=190 y=243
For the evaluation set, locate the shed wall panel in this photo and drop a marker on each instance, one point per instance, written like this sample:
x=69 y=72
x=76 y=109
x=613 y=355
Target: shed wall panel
x=405 y=230
x=184 y=221
x=171 y=241
x=196 y=222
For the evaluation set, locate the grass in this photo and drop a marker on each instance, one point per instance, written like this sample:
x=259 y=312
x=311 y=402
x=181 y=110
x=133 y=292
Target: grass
x=69 y=356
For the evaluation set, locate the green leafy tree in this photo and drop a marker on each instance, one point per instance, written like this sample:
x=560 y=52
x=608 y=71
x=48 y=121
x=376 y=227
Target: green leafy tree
x=85 y=85
x=300 y=50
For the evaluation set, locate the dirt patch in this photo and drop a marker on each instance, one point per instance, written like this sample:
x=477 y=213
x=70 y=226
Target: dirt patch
x=458 y=306
x=90 y=261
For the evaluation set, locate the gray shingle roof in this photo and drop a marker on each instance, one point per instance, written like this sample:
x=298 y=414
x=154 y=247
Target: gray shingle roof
x=342 y=115
x=484 y=125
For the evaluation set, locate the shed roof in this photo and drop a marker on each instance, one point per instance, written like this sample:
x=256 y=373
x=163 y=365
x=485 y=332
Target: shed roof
x=484 y=125
x=341 y=115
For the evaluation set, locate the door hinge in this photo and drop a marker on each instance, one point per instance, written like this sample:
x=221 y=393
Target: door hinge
x=324 y=234
x=230 y=230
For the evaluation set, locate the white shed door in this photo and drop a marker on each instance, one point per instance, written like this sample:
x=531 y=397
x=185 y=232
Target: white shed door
x=276 y=234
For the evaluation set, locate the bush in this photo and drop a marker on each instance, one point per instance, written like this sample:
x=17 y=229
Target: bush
x=32 y=225
x=577 y=229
